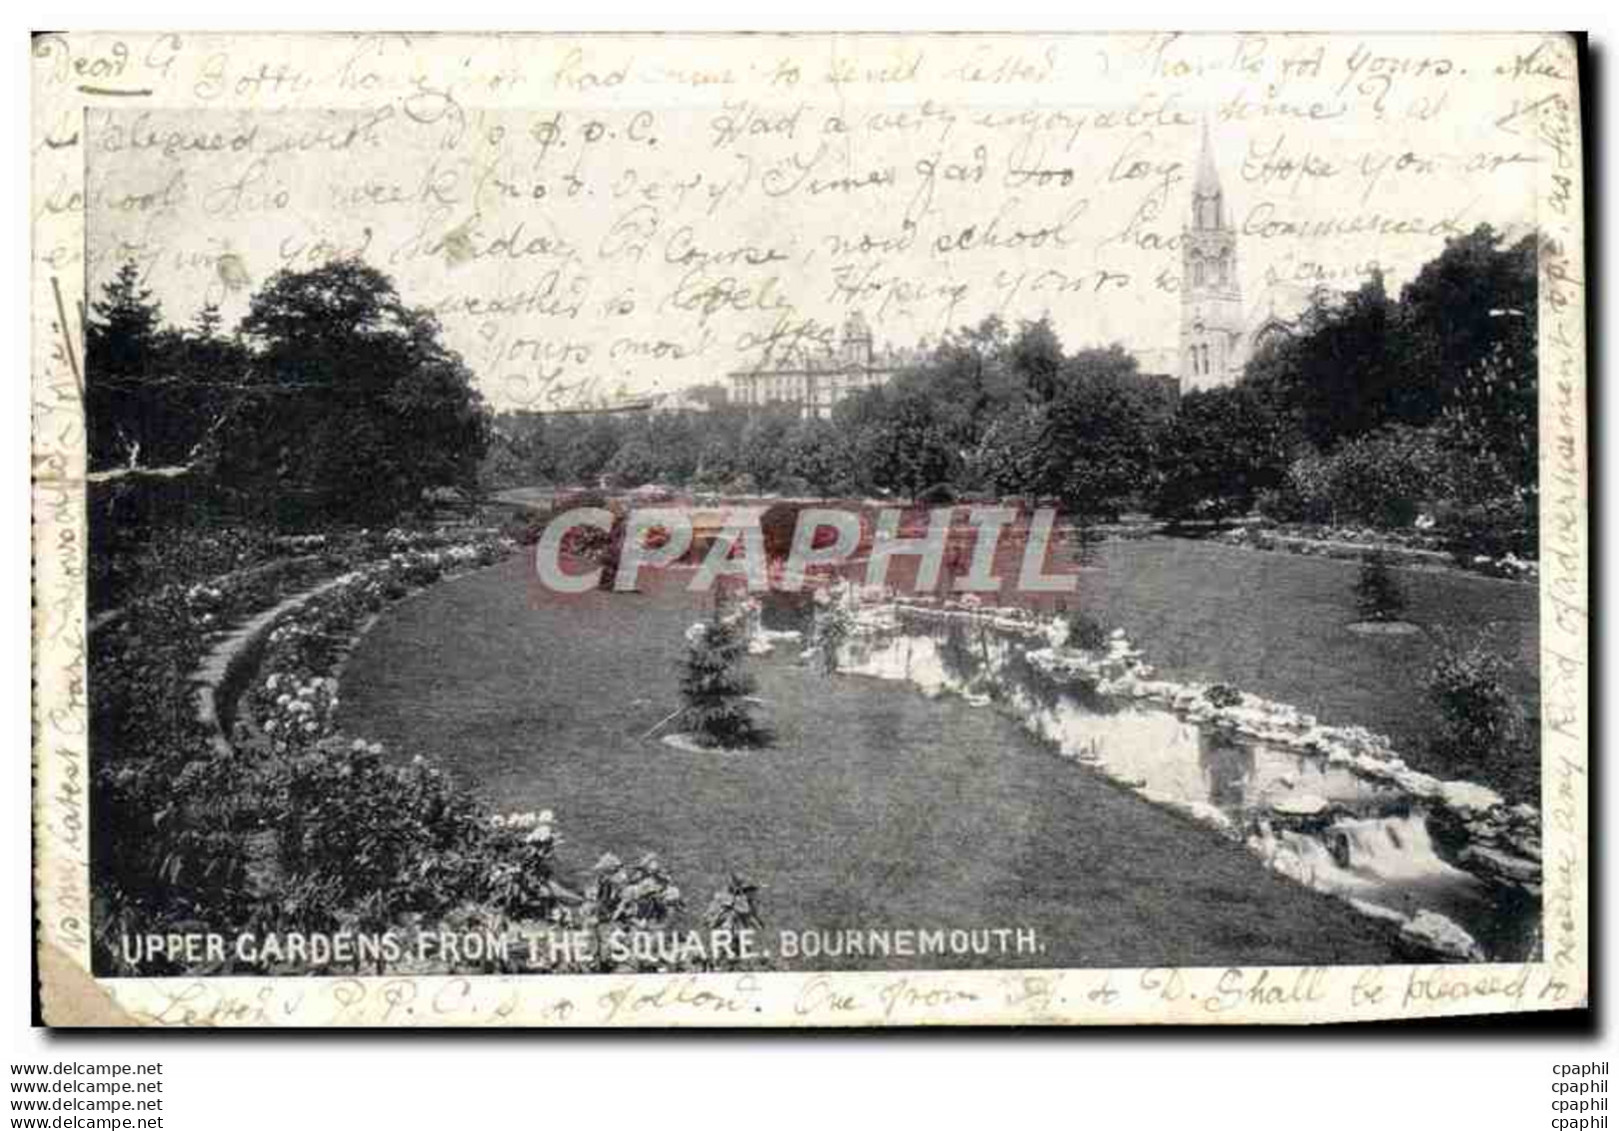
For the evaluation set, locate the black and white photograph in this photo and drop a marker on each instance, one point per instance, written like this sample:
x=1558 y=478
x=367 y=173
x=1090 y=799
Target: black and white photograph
x=810 y=530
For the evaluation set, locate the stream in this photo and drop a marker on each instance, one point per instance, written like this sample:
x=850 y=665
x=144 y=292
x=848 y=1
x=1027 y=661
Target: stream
x=1322 y=824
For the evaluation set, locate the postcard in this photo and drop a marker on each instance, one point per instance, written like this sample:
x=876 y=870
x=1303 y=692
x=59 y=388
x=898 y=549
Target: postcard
x=766 y=530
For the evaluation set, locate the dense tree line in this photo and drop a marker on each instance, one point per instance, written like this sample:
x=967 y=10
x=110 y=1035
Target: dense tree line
x=1374 y=409
x=1378 y=409
x=989 y=412
x=332 y=402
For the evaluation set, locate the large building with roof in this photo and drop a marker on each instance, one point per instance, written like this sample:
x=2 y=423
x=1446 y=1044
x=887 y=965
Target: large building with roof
x=1218 y=333
x=816 y=379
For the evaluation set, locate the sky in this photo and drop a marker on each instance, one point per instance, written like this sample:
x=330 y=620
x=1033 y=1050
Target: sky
x=624 y=238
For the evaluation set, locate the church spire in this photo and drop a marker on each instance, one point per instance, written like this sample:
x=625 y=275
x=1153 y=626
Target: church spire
x=1208 y=201
x=1211 y=339
x=1208 y=177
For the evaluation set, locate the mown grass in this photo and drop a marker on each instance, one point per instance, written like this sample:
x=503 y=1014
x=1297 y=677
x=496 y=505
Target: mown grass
x=875 y=807
x=1276 y=624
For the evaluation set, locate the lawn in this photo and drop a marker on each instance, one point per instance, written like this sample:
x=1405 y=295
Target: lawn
x=875 y=806
x=1275 y=624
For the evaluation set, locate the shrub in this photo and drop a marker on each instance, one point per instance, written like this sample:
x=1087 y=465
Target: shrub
x=1287 y=503
x=1223 y=695
x=181 y=555
x=832 y=626
x=1492 y=528
x=1480 y=723
x=640 y=896
x=524 y=526
x=1086 y=632
x=795 y=486
x=169 y=843
x=777 y=524
x=355 y=826
x=1383 y=478
x=518 y=870
x=1379 y=479
x=1378 y=594
x=735 y=907
x=1088 y=539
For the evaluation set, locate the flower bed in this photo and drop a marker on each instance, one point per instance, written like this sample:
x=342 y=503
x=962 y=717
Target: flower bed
x=144 y=654
x=294 y=827
x=1408 y=548
x=142 y=662
x=186 y=557
x=292 y=700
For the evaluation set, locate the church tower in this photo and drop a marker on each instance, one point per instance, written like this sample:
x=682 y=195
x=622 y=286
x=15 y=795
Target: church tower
x=1211 y=296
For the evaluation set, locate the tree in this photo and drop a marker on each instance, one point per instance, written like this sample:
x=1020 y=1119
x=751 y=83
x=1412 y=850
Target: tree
x=715 y=688
x=908 y=448
x=359 y=406
x=1222 y=448
x=1009 y=457
x=1097 y=448
x=1491 y=418
x=519 y=452
x=966 y=379
x=817 y=453
x=1342 y=373
x=127 y=355
x=1462 y=333
x=1474 y=302
x=156 y=401
x=209 y=322
x=124 y=331
x=762 y=442
x=633 y=464
x=676 y=440
x=1378 y=595
x=1037 y=358
x=717 y=462
x=586 y=448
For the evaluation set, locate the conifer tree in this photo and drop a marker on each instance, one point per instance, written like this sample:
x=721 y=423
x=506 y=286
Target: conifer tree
x=1378 y=595
x=126 y=349
x=715 y=687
